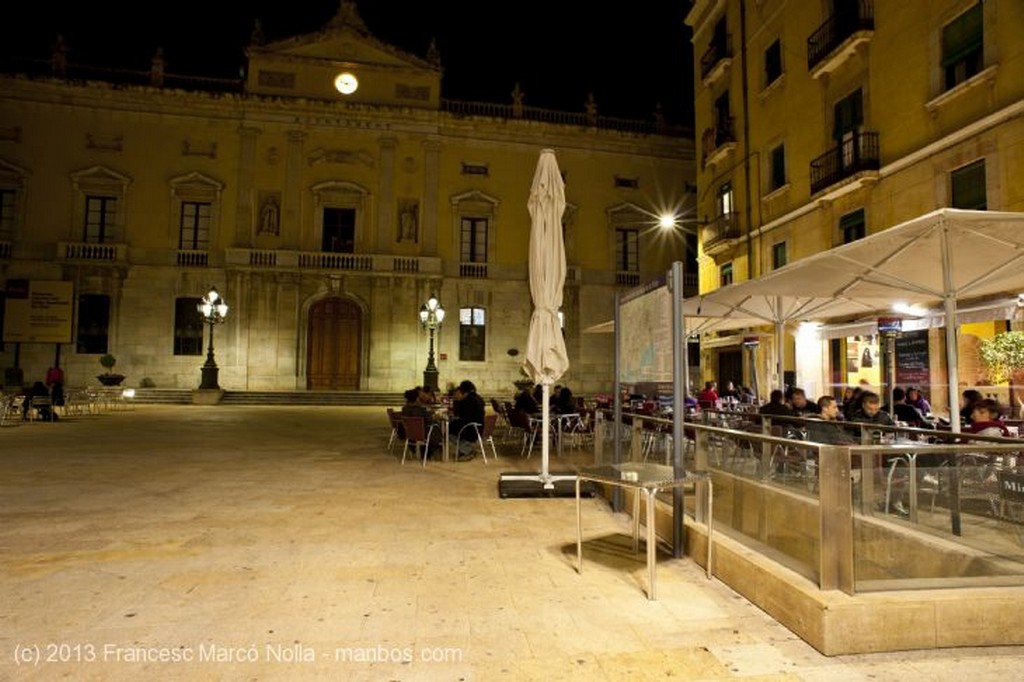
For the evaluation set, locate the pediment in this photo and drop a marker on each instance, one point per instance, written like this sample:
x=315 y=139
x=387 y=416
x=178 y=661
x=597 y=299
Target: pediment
x=345 y=39
x=308 y=65
x=627 y=214
x=11 y=174
x=100 y=175
x=196 y=180
x=349 y=48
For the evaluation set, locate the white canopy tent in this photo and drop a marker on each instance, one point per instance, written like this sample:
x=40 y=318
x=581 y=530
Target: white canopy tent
x=935 y=260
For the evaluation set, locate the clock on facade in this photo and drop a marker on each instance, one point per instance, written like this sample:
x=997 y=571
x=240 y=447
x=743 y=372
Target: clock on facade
x=346 y=83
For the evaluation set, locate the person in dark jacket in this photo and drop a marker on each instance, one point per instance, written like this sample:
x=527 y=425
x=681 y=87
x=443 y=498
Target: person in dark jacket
x=468 y=408
x=776 y=405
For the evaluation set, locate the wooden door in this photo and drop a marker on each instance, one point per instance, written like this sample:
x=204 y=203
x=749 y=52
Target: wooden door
x=333 y=349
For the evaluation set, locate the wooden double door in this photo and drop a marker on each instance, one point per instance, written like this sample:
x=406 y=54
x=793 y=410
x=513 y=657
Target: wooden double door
x=334 y=346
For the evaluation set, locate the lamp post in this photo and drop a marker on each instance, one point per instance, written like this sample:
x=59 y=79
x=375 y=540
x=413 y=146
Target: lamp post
x=214 y=310
x=431 y=317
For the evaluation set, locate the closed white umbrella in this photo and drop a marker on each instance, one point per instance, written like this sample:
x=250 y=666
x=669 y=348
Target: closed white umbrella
x=546 y=358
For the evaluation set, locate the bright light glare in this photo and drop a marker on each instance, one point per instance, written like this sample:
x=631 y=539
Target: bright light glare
x=907 y=309
x=808 y=332
x=666 y=220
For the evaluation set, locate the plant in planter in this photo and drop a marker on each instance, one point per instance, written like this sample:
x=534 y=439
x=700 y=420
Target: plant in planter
x=1003 y=356
x=109 y=378
x=524 y=382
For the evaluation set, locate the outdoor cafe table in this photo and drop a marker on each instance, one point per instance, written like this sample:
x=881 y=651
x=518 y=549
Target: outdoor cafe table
x=643 y=478
x=443 y=416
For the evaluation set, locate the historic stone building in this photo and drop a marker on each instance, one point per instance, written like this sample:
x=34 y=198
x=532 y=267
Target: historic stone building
x=325 y=196
x=821 y=123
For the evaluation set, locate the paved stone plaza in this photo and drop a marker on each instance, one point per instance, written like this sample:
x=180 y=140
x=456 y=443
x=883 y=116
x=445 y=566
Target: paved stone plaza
x=286 y=543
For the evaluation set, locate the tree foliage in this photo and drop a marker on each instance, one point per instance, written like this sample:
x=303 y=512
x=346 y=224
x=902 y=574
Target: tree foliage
x=1003 y=354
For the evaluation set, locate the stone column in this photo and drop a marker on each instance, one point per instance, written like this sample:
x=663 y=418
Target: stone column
x=381 y=239
x=245 y=196
x=291 y=236
x=431 y=198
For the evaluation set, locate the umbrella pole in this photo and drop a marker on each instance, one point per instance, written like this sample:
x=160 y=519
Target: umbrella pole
x=545 y=415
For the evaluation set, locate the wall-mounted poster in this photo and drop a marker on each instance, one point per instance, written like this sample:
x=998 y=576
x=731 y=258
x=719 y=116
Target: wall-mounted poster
x=863 y=360
x=38 y=311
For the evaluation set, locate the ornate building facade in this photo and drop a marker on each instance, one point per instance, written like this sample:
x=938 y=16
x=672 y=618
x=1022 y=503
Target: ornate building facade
x=325 y=196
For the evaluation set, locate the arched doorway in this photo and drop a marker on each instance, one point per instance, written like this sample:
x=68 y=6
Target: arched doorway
x=333 y=349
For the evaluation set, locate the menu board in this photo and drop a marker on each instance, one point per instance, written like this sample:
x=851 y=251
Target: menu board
x=912 y=359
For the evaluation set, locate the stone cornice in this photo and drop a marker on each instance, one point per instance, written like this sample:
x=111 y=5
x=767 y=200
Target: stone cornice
x=252 y=110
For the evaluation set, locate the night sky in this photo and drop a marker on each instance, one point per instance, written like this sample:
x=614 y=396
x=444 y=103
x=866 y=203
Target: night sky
x=630 y=55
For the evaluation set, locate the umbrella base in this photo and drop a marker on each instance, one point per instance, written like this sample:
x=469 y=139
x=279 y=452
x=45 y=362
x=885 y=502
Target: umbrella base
x=560 y=484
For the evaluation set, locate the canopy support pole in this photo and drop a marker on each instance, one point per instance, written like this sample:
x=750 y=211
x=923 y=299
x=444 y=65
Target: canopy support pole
x=679 y=368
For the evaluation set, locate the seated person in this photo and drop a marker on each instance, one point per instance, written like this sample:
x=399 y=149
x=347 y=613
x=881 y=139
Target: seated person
x=986 y=419
x=915 y=398
x=905 y=412
x=800 y=405
x=747 y=396
x=428 y=396
x=38 y=390
x=468 y=408
x=729 y=392
x=414 y=407
x=524 y=402
x=776 y=405
x=870 y=411
x=824 y=427
x=970 y=397
x=709 y=396
x=563 y=401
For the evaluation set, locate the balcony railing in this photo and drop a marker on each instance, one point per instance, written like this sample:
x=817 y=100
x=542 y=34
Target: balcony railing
x=717 y=51
x=627 y=278
x=837 y=28
x=44 y=68
x=266 y=259
x=721 y=229
x=193 y=258
x=473 y=270
x=111 y=253
x=855 y=154
x=717 y=137
x=319 y=260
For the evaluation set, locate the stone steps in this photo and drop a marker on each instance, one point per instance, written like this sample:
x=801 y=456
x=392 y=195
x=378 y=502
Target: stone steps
x=183 y=396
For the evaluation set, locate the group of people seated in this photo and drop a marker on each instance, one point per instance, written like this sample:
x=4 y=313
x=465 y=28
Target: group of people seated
x=467 y=407
x=909 y=408
x=53 y=389
x=561 y=400
x=712 y=397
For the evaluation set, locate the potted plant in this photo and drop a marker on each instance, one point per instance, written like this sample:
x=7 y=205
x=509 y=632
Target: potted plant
x=524 y=382
x=109 y=378
x=1003 y=355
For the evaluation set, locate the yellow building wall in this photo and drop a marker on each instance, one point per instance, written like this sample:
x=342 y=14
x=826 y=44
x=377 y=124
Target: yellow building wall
x=924 y=131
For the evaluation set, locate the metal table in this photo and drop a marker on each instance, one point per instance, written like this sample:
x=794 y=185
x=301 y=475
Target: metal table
x=647 y=479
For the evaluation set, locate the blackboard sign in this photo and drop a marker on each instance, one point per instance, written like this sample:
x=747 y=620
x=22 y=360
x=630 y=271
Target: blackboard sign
x=912 y=359
x=1011 y=486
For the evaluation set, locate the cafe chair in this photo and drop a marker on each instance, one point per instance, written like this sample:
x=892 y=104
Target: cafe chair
x=417 y=433
x=41 y=408
x=397 y=429
x=484 y=434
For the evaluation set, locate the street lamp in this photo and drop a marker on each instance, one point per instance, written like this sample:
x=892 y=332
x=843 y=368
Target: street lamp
x=214 y=310
x=431 y=317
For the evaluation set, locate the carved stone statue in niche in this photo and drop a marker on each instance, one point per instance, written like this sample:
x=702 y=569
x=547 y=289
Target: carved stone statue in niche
x=408 y=220
x=270 y=214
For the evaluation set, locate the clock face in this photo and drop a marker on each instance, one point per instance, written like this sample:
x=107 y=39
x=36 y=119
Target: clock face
x=346 y=83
